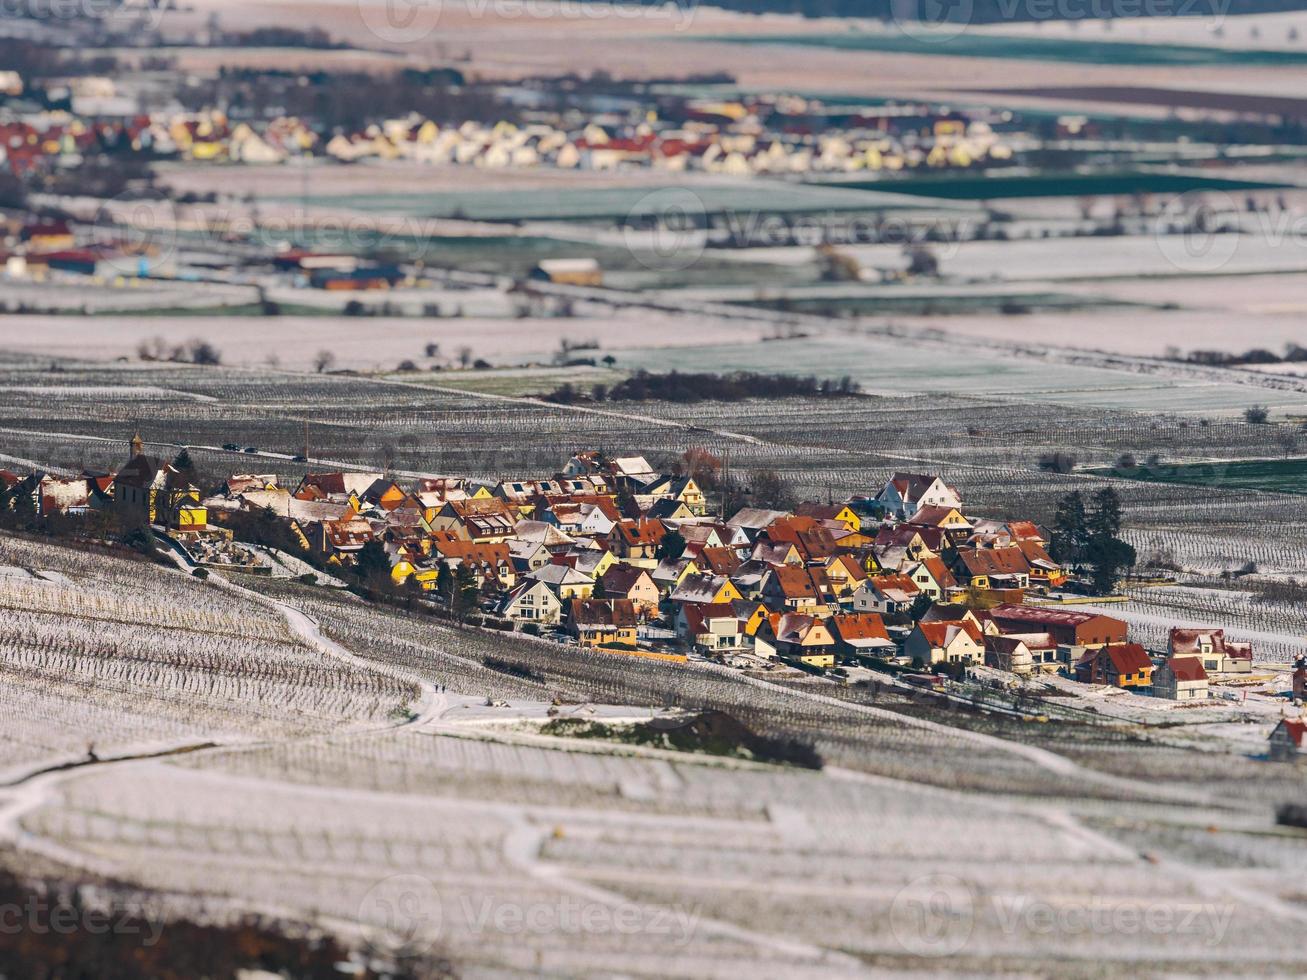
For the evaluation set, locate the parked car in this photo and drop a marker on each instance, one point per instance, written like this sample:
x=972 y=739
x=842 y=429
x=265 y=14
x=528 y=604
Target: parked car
x=251 y=449
x=299 y=459
x=231 y=447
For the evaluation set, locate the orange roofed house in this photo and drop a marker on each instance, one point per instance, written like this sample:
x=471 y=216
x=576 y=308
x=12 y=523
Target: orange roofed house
x=947 y=641
x=602 y=622
x=1118 y=665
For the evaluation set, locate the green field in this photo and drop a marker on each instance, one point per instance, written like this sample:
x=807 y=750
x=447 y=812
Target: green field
x=1277 y=475
x=969 y=44
x=1068 y=184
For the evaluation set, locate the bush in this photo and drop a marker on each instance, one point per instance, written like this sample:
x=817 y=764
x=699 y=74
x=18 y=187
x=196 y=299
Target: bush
x=201 y=573
x=1057 y=462
x=1256 y=414
x=308 y=578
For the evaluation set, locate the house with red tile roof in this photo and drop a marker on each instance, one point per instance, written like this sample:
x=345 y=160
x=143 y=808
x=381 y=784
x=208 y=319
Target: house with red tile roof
x=1116 y=665
x=602 y=622
x=1181 y=679
x=946 y=641
x=1218 y=655
x=807 y=639
x=862 y=633
x=1285 y=741
x=886 y=595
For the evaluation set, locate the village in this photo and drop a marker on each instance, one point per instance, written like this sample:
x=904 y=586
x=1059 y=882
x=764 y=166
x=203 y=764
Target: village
x=899 y=585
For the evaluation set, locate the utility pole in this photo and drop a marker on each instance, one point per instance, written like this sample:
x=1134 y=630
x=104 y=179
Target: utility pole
x=306 y=441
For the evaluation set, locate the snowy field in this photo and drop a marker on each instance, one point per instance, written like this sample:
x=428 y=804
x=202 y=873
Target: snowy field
x=508 y=852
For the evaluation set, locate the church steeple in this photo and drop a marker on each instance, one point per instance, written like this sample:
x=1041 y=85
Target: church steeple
x=138 y=447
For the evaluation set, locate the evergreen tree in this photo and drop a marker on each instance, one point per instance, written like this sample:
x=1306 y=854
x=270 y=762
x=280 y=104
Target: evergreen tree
x=373 y=561
x=183 y=463
x=1105 y=552
x=466 y=591
x=671 y=546
x=1070 y=530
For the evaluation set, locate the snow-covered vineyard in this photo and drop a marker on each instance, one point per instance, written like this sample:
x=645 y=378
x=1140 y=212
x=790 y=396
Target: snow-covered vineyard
x=235 y=741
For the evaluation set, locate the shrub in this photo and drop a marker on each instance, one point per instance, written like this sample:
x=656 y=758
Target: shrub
x=1058 y=462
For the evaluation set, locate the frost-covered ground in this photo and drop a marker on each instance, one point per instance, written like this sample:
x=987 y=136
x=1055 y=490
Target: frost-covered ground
x=511 y=852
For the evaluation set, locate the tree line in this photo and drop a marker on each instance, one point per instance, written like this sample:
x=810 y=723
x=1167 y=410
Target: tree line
x=674 y=386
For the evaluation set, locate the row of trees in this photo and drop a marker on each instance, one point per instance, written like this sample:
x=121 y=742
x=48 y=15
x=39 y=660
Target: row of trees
x=1087 y=538
x=688 y=388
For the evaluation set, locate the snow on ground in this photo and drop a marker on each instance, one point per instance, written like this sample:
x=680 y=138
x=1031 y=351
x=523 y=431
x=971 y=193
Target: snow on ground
x=372 y=343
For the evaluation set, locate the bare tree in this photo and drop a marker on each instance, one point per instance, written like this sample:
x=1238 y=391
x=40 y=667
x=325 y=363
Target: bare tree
x=324 y=360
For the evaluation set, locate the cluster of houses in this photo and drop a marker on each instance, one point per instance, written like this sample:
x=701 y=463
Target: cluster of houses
x=731 y=137
x=728 y=138
x=615 y=556
x=619 y=556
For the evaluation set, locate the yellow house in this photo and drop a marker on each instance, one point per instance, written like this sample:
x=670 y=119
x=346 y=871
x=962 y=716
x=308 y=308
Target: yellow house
x=849 y=519
x=599 y=566
x=668 y=576
x=688 y=492
x=806 y=639
x=756 y=619
x=192 y=517
x=844 y=574
x=566 y=582
x=426 y=578
x=706 y=589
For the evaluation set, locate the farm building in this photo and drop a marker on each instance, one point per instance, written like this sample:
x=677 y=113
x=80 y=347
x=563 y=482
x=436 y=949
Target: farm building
x=1068 y=627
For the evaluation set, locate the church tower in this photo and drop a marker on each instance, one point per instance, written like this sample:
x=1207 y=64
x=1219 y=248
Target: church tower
x=138 y=447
